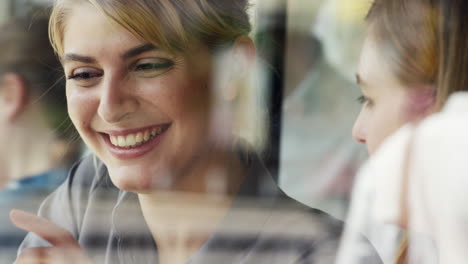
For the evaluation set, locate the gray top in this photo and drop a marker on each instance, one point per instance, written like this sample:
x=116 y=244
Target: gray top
x=262 y=226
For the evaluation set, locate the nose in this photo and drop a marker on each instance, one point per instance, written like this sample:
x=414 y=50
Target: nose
x=359 y=132
x=117 y=100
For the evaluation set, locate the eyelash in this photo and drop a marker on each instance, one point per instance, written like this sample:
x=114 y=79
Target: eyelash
x=153 y=66
x=142 y=67
x=362 y=99
x=83 y=76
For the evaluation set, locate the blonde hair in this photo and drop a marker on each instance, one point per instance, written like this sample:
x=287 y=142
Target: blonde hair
x=172 y=25
x=425 y=42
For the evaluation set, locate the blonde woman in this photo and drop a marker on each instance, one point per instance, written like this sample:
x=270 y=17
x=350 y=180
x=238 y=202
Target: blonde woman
x=414 y=58
x=166 y=184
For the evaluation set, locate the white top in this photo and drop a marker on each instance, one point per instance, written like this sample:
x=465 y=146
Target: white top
x=421 y=170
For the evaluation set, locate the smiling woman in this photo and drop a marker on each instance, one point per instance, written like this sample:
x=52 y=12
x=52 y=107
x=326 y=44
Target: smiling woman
x=136 y=90
x=175 y=183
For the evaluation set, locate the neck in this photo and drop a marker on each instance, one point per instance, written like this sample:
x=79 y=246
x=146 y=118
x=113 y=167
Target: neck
x=181 y=220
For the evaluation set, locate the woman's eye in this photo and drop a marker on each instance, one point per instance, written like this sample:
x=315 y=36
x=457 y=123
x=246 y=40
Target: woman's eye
x=364 y=100
x=148 y=67
x=85 y=76
x=361 y=99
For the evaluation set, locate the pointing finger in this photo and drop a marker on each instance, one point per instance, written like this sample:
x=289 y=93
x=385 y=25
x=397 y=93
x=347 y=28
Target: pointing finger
x=42 y=227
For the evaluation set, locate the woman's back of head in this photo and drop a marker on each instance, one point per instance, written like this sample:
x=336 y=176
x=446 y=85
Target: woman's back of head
x=26 y=51
x=27 y=54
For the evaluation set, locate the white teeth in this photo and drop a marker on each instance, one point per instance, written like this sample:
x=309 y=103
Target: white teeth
x=132 y=140
x=113 y=140
x=121 y=141
x=139 y=138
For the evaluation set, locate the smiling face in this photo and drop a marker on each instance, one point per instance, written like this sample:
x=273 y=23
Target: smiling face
x=142 y=110
x=387 y=104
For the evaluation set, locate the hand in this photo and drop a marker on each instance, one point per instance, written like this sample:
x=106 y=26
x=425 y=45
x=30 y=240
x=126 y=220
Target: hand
x=64 y=249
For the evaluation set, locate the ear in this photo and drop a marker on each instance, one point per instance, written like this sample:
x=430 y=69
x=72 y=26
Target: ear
x=422 y=101
x=239 y=63
x=244 y=51
x=245 y=44
x=13 y=96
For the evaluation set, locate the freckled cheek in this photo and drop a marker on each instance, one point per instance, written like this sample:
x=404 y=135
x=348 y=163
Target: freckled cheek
x=186 y=98
x=189 y=107
x=81 y=108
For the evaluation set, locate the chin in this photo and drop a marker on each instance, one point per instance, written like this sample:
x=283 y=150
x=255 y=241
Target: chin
x=140 y=180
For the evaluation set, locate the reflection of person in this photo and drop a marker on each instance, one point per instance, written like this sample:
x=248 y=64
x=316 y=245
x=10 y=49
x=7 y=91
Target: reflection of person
x=318 y=157
x=32 y=127
x=413 y=59
x=139 y=88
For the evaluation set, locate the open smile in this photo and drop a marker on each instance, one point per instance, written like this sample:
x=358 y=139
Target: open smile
x=134 y=143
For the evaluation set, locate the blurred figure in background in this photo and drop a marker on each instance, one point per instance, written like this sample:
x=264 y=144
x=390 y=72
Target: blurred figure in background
x=34 y=132
x=410 y=196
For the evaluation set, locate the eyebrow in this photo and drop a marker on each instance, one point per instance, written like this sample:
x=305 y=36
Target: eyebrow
x=126 y=55
x=75 y=57
x=138 y=50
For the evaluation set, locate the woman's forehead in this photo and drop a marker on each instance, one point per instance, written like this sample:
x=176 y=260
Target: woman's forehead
x=375 y=64
x=116 y=21
x=88 y=29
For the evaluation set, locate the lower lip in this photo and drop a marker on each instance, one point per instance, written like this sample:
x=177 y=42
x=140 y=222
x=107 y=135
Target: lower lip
x=135 y=152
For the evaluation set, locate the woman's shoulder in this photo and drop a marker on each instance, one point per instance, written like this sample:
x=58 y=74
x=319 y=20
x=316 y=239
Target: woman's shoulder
x=88 y=177
x=260 y=185
x=287 y=229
